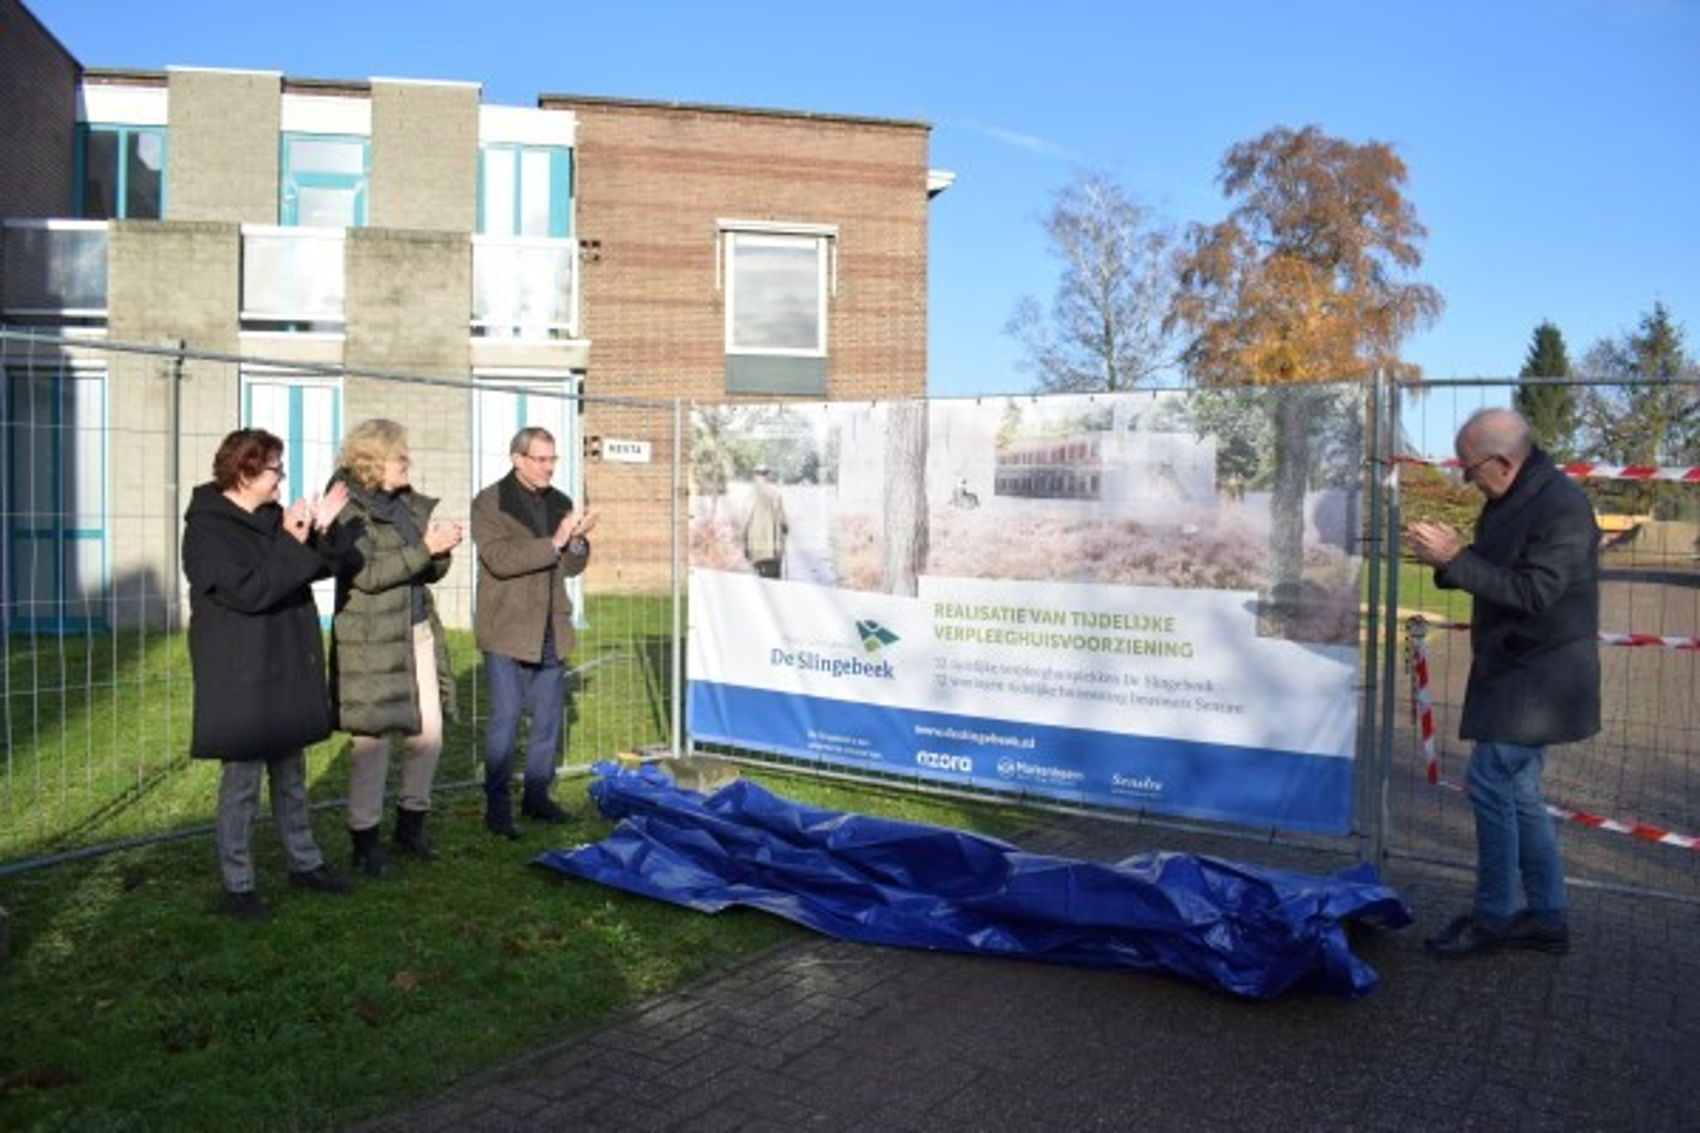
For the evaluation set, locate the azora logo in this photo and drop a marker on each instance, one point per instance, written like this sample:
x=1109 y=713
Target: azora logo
x=874 y=636
x=943 y=761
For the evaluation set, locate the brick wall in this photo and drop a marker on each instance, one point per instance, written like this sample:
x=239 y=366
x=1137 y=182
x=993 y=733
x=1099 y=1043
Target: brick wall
x=653 y=179
x=38 y=117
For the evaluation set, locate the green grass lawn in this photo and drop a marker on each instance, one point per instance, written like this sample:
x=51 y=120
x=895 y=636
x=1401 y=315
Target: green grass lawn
x=96 y=728
x=127 y=1003
x=1418 y=593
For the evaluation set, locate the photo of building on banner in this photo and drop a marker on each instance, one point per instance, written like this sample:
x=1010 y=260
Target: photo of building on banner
x=1146 y=600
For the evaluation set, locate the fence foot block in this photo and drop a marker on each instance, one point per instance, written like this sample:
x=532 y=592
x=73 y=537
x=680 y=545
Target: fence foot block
x=701 y=772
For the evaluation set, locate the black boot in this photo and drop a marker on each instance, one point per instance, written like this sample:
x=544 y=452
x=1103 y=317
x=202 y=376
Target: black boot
x=369 y=856
x=410 y=837
x=537 y=804
x=499 y=817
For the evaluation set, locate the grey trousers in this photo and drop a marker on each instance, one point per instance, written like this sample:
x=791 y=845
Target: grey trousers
x=239 y=804
x=369 y=756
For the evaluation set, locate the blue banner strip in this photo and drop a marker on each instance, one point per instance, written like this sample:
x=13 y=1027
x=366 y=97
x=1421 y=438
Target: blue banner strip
x=1261 y=787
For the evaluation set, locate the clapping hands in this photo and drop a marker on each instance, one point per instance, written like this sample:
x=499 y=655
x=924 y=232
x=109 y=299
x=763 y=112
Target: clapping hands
x=328 y=506
x=298 y=520
x=575 y=525
x=1434 y=544
x=443 y=537
x=315 y=513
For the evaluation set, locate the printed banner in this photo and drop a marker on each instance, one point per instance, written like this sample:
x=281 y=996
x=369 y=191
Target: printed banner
x=1122 y=600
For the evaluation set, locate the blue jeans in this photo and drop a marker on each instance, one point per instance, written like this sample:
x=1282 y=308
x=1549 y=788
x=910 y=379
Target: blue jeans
x=1515 y=841
x=518 y=688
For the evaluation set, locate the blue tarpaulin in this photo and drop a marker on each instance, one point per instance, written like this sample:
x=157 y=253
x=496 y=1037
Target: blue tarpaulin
x=1244 y=929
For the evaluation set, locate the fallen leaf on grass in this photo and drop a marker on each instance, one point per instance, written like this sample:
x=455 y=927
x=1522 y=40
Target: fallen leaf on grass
x=38 y=1078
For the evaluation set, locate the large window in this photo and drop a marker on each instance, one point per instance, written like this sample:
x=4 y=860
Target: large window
x=775 y=294
x=525 y=191
x=324 y=181
x=778 y=281
x=123 y=172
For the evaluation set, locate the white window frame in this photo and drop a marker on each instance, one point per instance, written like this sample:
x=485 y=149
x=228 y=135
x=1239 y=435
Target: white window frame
x=825 y=240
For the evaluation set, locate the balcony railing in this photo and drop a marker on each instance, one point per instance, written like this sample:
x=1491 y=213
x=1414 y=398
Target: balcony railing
x=53 y=269
x=293 y=277
x=525 y=287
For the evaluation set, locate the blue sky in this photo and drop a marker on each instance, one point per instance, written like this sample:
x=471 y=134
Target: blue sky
x=1552 y=146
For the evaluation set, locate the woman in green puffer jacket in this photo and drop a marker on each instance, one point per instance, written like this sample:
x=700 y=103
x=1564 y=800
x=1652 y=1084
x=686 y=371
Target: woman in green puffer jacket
x=389 y=670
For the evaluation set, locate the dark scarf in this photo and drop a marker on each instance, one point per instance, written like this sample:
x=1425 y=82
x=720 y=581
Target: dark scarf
x=391 y=508
x=521 y=502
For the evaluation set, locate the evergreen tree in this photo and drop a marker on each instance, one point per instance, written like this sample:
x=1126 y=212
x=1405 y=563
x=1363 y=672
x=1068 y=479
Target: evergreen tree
x=1553 y=411
x=1650 y=411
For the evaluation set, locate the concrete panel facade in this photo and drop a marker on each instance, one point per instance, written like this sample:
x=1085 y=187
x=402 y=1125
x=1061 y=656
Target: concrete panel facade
x=169 y=283
x=424 y=156
x=408 y=312
x=222 y=160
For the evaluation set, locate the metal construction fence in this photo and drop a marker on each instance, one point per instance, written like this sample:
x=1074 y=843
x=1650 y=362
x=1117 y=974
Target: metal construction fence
x=1627 y=800
x=101 y=443
x=100 y=448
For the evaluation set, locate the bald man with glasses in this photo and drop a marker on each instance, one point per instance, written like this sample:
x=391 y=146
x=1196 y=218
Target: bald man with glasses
x=1532 y=572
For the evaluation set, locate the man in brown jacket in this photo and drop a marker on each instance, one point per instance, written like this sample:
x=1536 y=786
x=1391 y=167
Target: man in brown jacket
x=530 y=541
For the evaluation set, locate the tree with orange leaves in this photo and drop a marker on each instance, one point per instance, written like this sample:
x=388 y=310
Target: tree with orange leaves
x=1304 y=282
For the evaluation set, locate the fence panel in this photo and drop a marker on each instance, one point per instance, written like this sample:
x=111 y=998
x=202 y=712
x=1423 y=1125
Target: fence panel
x=100 y=446
x=101 y=443
x=1146 y=603
x=1628 y=811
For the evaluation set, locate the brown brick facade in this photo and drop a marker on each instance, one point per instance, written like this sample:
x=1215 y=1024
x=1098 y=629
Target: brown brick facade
x=653 y=180
x=38 y=115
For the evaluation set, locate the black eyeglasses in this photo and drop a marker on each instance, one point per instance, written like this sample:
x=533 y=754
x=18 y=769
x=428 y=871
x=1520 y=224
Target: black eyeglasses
x=1470 y=469
x=278 y=468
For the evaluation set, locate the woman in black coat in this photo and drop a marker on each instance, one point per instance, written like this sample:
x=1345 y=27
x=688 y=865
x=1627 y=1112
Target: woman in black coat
x=257 y=655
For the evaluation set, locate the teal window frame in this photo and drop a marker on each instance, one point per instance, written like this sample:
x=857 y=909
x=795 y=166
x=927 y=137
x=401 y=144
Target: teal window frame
x=121 y=193
x=287 y=204
x=560 y=187
x=28 y=527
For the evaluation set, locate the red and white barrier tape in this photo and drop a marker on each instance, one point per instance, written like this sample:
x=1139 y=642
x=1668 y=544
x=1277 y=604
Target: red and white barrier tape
x=1425 y=727
x=1586 y=470
x=1633 y=640
x=1650 y=833
x=1420 y=696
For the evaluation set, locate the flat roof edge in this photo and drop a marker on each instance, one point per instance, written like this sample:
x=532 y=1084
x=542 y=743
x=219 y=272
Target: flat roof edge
x=543 y=100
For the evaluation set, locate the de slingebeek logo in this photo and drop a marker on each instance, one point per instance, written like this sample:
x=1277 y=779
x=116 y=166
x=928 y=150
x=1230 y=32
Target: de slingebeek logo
x=874 y=636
